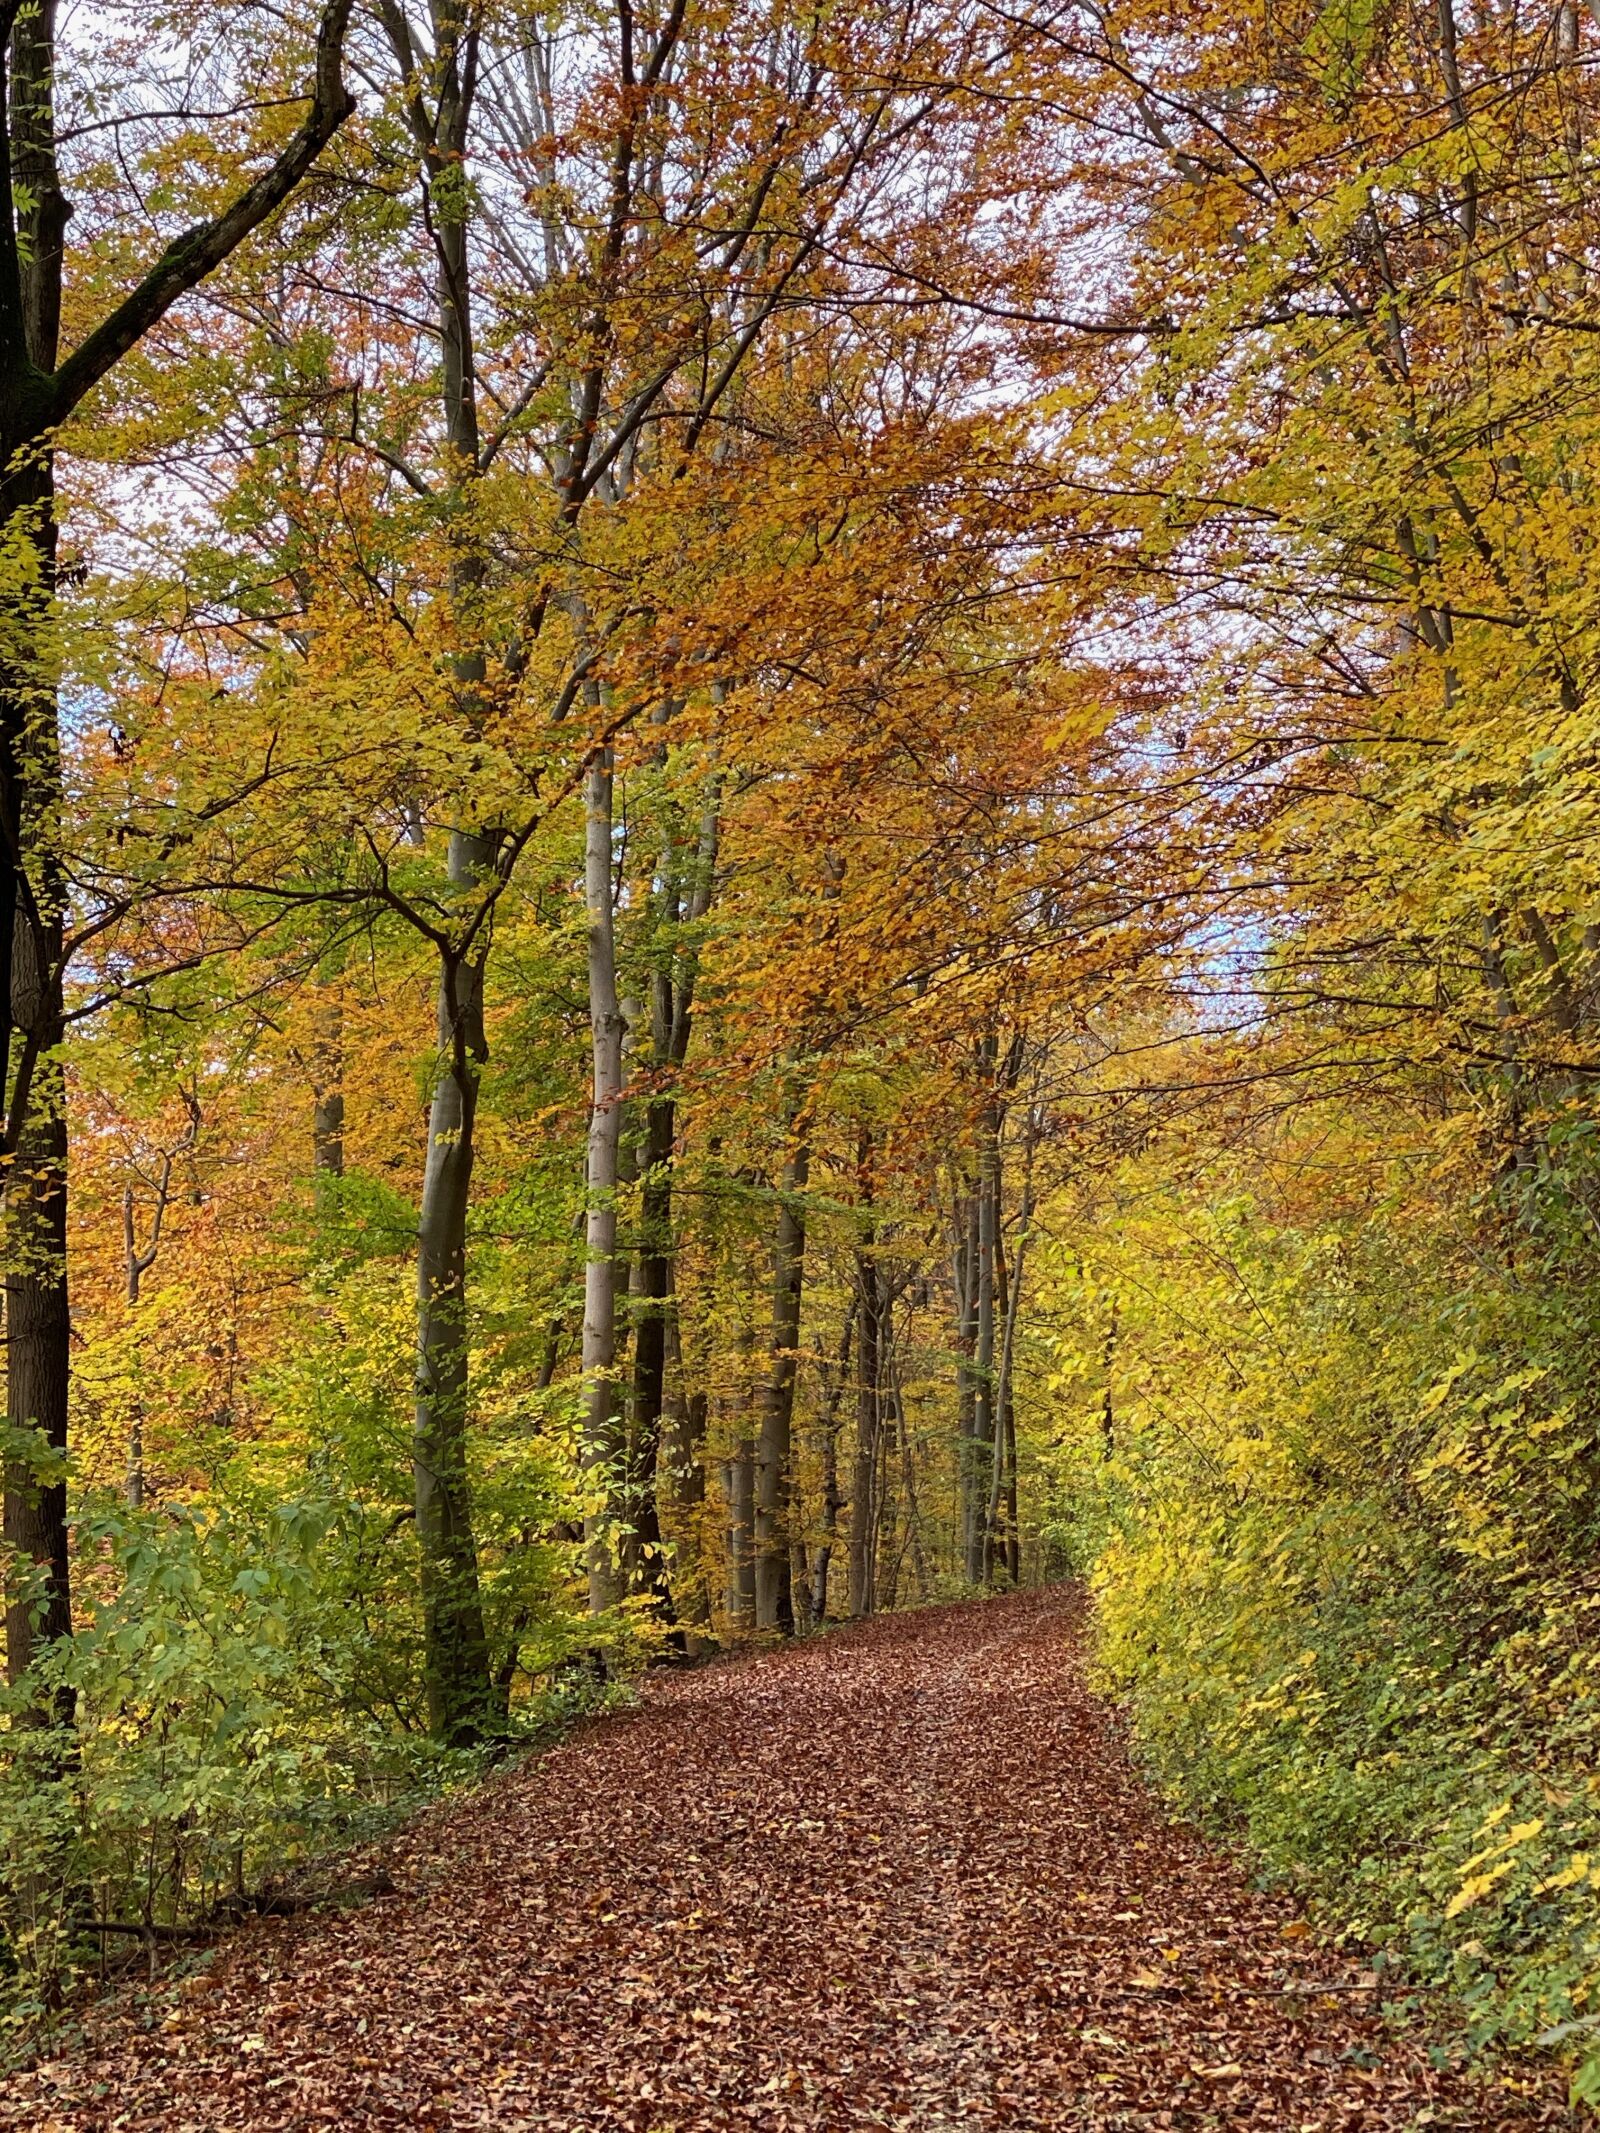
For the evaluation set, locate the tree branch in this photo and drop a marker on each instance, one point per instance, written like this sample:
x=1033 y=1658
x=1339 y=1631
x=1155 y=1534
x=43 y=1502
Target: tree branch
x=198 y=252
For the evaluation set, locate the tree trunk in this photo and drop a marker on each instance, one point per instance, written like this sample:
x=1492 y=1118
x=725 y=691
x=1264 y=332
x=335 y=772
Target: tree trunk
x=38 y=1327
x=739 y=1482
x=883 y=1564
x=1013 y=1529
x=908 y=1477
x=683 y=1473
x=671 y=1022
x=644 y=1563
x=36 y=393
x=774 y=1598
x=869 y=1423
x=327 y=1116
x=136 y=1263
x=602 y=1429
x=1108 y=1364
x=832 y=1497
x=983 y=1419
x=461 y=1699
x=461 y=1689
x=37 y=1321
x=964 y=1274
x=1002 y=1539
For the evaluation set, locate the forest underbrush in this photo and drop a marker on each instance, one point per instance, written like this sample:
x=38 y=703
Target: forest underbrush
x=1343 y=1550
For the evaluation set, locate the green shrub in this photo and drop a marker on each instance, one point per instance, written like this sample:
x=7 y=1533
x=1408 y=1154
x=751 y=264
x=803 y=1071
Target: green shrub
x=1343 y=1543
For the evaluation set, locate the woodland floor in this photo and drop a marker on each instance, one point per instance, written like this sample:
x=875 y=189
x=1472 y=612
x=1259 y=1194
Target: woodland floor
x=900 y=1876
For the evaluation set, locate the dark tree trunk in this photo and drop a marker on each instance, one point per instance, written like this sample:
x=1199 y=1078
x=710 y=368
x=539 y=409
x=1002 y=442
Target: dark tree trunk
x=833 y=1499
x=774 y=1597
x=37 y=391
x=683 y=1473
x=38 y=1327
x=460 y=1691
x=908 y=1477
x=671 y=1025
x=463 y=1699
x=604 y=1425
x=1013 y=1530
x=869 y=1424
x=964 y=1272
x=975 y=1521
x=644 y=1561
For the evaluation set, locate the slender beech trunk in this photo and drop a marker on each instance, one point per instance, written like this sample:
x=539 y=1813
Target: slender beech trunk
x=964 y=1271
x=1013 y=1529
x=137 y=1260
x=135 y=1264
x=1002 y=1540
x=775 y=1429
x=883 y=1564
x=650 y=1291
x=602 y=1429
x=869 y=1421
x=833 y=1500
x=739 y=1482
x=908 y=1480
x=671 y=1025
x=683 y=1473
x=983 y=1420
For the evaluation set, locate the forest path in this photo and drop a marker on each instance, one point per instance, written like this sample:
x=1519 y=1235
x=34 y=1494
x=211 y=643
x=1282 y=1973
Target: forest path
x=904 y=1876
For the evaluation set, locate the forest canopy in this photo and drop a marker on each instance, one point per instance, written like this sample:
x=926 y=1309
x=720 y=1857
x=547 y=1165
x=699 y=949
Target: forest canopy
x=798 y=814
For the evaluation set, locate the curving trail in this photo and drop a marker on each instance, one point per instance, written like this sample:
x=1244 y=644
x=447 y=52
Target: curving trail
x=903 y=1876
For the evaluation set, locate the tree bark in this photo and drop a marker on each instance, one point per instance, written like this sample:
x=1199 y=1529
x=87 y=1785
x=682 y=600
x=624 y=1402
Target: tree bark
x=38 y=1326
x=460 y=1690
x=739 y=1483
x=37 y=1318
x=983 y=1419
x=908 y=1477
x=833 y=1500
x=1002 y=1539
x=869 y=1423
x=773 y=1593
x=964 y=1274
x=602 y=1428
x=643 y=1561
x=463 y=1700
x=137 y=1260
x=671 y=1025
x=683 y=1471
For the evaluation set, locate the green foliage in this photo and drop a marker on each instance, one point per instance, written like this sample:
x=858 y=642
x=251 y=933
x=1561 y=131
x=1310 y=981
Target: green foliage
x=244 y=1702
x=246 y=1674
x=1343 y=1539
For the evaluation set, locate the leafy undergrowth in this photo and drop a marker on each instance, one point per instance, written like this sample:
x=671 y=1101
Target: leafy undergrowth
x=246 y=1704
x=906 y=1876
x=1344 y=1542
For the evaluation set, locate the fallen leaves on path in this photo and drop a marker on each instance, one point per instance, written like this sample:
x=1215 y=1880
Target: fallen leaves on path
x=901 y=1877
